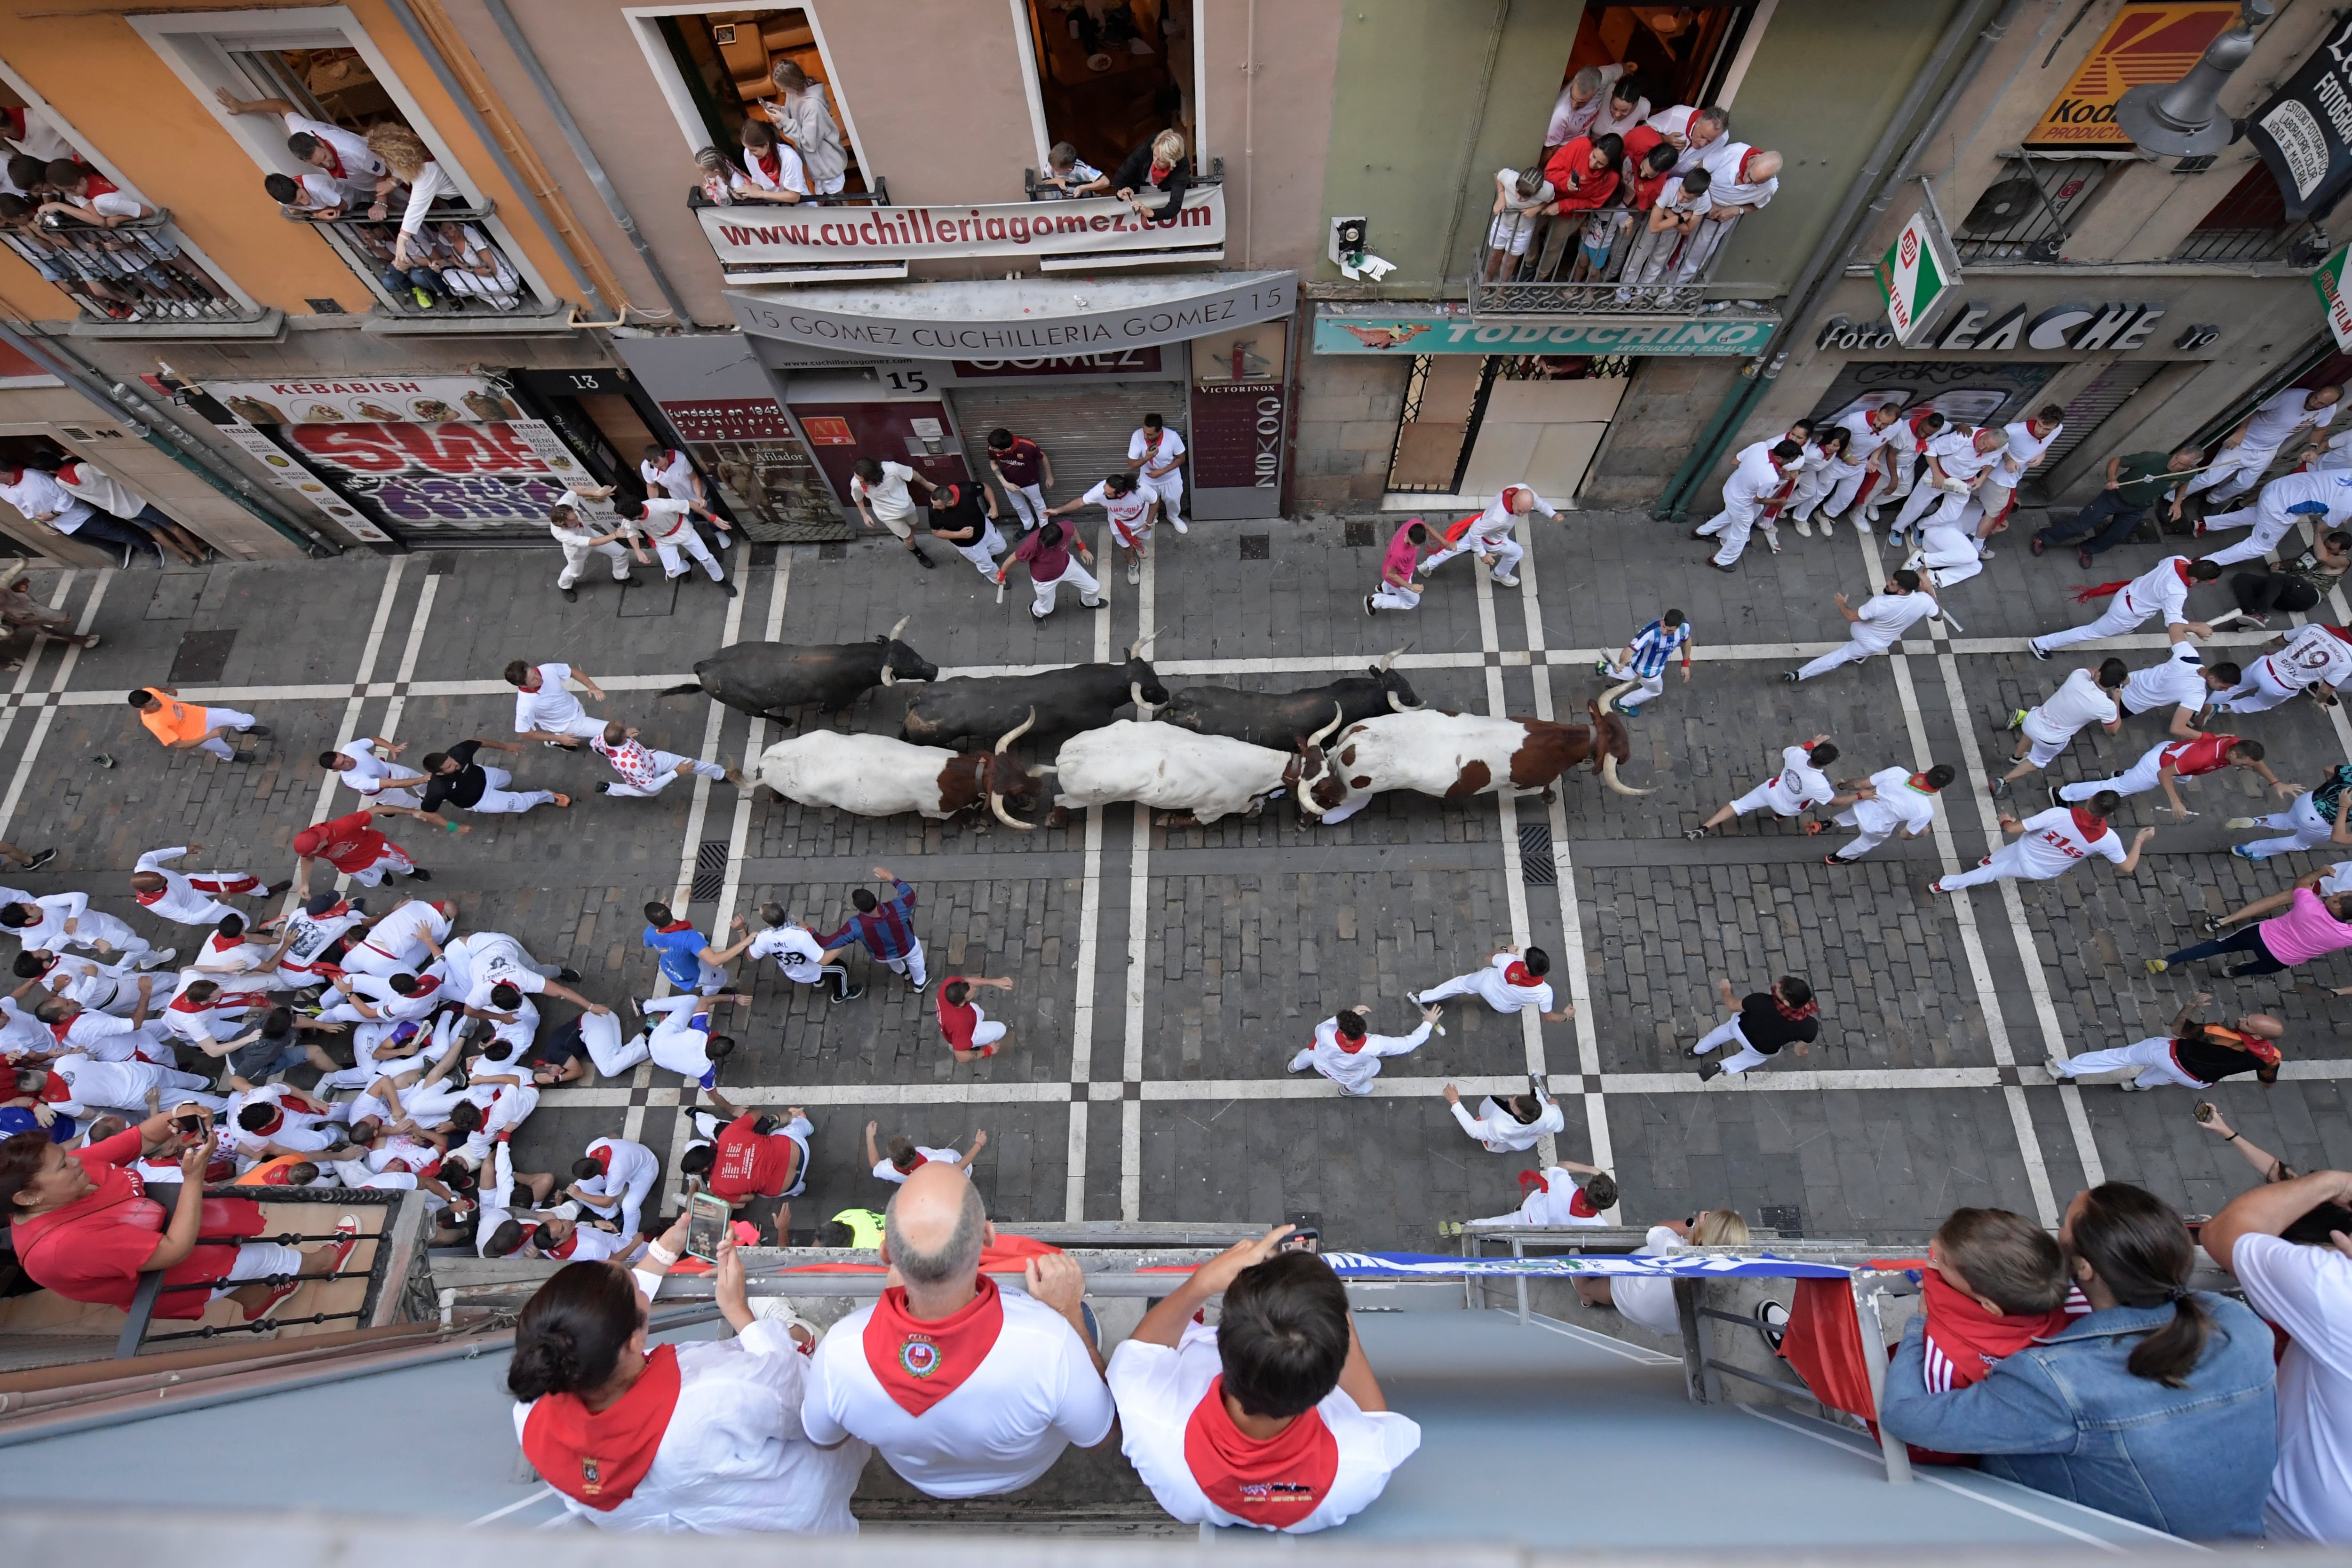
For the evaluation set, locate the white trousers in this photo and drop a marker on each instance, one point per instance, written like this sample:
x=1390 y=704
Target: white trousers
x=408 y=798
x=1734 y=523
x=1853 y=653
x=2233 y=469
x=1389 y=596
x=216 y=717
x=1169 y=491
x=1727 y=1033
x=2137 y=779
x=1698 y=248
x=575 y=561
x=1028 y=505
x=1077 y=577
x=911 y=966
x=665 y=770
x=1646 y=689
x=983 y=554
x=985 y=1031
x=500 y=801
x=2259 y=690
x=1485 y=984
x=126 y=946
x=393 y=860
x=2153 y=1057
x=687 y=542
x=1948 y=506
x=2114 y=622
x=2304 y=829
x=2269 y=528
x=2006 y=864
x=601 y=1033
x=1505 y=550
x=256 y=1262
x=1864 y=839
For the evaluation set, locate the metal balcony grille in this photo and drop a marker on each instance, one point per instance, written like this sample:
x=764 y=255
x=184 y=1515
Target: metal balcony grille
x=134 y=271
x=2250 y=224
x=2028 y=212
x=1561 y=274
x=365 y=245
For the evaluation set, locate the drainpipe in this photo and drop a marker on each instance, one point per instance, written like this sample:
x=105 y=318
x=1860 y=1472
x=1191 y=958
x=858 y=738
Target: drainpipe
x=163 y=434
x=1839 y=239
x=580 y=150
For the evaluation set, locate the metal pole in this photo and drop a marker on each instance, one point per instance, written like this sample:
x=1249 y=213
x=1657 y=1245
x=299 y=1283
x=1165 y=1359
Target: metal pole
x=1519 y=1250
x=1873 y=1359
x=142 y=1308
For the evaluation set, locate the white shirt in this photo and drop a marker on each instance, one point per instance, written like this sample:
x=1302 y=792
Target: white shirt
x=794 y=947
x=2159 y=591
x=1862 y=439
x=1756 y=478
x=1126 y=512
x=664 y=519
x=431 y=183
x=2025 y=448
x=38 y=495
x=628 y=1163
x=104 y=1086
x=180 y=900
x=1897 y=806
x=360 y=165
x=2269 y=425
x=1497 y=520
x=1158 y=1389
x=1672 y=196
x=2314 y=654
x=325 y=191
x=100 y=489
x=1650 y=1302
x=1034 y=1393
x=1798 y=784
x=41 y=138
x=1555 y=1202
x=789 y=174
x=676 y=1043
x=1504 y=1133
x=551 y=707
x=1887 y=616
x=56 y=910
x=401 y=935
x=21 y=1033
x=370 y=769
x=887 y=496
x=1354 y=1071
x=1955 y=453
x=1569 y=121
x=2177 y=682
x=2307 y=1291
x=2052 y=842
x=2078 y=702
x=677 y=477
x=1163 y=458
x=1502 y=996
x=884 y=1170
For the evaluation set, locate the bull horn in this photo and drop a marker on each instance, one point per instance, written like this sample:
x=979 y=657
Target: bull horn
x=890 y=676
x=1135 y=695
x=1017 y=731
x=1135 y=649
x=1396 y=704
x=1609 y=777
x=1044 y=768
x=901 y=626
x=1389 y=659
x=1338 y=714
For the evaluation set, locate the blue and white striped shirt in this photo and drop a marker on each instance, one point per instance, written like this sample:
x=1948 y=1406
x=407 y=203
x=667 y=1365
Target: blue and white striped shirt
x=1653 y=644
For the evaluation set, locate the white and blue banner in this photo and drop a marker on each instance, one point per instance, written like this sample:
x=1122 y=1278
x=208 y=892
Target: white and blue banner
x=1438 y=1266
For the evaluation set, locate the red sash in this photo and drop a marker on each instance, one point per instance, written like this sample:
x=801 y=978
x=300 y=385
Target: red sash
x=1273 y=1482
x=919 y=1362
x=598 y=1458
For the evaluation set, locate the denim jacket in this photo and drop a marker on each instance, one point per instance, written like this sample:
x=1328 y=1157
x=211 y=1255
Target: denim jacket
x=2065 y=1417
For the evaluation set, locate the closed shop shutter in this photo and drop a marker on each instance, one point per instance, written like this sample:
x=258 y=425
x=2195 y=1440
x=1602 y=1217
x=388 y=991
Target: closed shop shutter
x=1083 y=429
x=2107 y=391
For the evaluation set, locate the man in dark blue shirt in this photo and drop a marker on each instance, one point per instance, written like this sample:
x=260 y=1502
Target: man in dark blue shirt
x=885 y=928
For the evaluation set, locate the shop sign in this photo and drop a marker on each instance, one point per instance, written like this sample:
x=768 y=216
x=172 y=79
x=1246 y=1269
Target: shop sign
x=730 y=418
x=746 y=235
x=291 y=476
x=1917 y=270
x=472 y=474
x=1137 y=361
x=2116 y=326
x=1236 y=436
x=432 y=399
x=2143 y=43
x=1180 y=312
x=1438 y=331
x=2329 y=281
x=2304 y=132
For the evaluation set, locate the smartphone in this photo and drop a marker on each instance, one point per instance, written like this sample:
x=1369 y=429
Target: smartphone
x=1306 y=1233
x=705 y=1226
x=191 y=1126
x=2205 y=1110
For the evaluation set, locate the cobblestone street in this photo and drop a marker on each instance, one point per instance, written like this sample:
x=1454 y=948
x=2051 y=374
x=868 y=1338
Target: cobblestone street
x=1162 y=977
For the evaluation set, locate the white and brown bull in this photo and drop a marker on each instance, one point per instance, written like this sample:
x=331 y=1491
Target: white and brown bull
x=878 y=776
x=1199 y=777
x=1455 y=755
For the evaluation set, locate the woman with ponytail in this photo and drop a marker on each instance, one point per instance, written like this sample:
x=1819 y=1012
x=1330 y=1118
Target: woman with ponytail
x=704 y=1435
x=2156 y=1406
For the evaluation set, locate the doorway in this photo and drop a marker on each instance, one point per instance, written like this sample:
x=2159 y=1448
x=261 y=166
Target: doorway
x=1474 y=424
x=1114 y=73
x=725 y=59
x=917 y=434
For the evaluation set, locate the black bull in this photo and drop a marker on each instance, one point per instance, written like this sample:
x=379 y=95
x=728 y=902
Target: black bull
x=1277 y=718
x=977 y=710
x=770 y=680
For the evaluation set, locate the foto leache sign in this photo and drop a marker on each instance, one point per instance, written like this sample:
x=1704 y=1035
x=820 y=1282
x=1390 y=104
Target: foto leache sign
x=1917 y=270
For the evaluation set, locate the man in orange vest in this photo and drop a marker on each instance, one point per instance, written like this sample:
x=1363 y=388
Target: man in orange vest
x=184 y=727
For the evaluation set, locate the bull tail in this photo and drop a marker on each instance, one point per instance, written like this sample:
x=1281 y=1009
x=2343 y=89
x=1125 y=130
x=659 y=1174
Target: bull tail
x=685 y=689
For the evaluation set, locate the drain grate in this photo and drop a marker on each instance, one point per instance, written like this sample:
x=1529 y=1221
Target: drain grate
x=444 y=564
x=1537 y=867
x=1785 y=1218
x=1360 y=536
x=1257 y=547
x=709 y=870
x=833 y=549
x=203 y=657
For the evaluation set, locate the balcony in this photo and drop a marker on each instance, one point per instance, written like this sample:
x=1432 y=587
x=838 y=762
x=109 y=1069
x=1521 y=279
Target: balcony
x=1557 y=276
x=136 y=274
x=451 y=291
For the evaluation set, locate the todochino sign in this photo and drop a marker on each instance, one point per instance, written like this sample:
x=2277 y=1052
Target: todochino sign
x=749 y=233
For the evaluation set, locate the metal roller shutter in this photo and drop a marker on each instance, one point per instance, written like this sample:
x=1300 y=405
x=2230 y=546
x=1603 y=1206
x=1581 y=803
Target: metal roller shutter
x=1083 y=429
x=2088 y=408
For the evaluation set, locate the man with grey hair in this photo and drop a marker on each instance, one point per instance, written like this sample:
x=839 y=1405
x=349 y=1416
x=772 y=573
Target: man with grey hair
x=966 y=1390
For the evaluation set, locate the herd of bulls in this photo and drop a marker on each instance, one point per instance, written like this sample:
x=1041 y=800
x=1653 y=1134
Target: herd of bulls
x=1204 y=753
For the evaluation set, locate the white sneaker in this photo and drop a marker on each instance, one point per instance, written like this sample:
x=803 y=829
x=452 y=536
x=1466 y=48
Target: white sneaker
x=1805 y=529
x=1870 y=514
x=1862 y=524
x=1181 y=527
x=157 y=957
x=1508 y=581
x=1134 y=570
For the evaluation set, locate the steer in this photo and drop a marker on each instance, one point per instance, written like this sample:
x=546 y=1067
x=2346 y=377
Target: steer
x=1204 y=777
x=1277 y=718
x=1455 y=755
x=1063 y=702
x=875 y=776
x=769 y=680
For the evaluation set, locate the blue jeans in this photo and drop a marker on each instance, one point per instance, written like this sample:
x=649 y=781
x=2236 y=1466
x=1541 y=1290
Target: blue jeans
x=106 y=529
x=399 y=280
x=2113 y=519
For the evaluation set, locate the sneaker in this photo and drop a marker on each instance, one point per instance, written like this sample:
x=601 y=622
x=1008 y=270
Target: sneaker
x=925 y=985
x=2211 y=926
x=2262 y=621
x=1772 y=1322
x=2035 y=649
x=1035 y=614
x=419 y=873
x=1370 y=608
x=571 y=595
x=1772 y=543
x=40 y=858
x=157 y=958
x=2056 y=1069
x=606 y=788
x=1835 y=859
x=2083 y=559
x=1935 y=887
x=1295 y=1069
x=2236 y=824
x=240 y=757
x=1695 y=834
x=1805 y=529
x=1134 y=570
x=728 y=589
x=1862 y=524
x=1719 y=566
x=1709 y=1072
x=568 y=974
x=423 y=300
x=1182 y=527
x=274 y=888
x=1700 y=534
x=2157 y=965
x=2035 y=543
x=2199 y=532
x=1514 y=583
x=2244 y=853
x=851 y=994
x=927 y=564
x=1791 y=676
x=2016 y=722
x=1097 y=604
x=1621 y=713
x=2129 y=1085
x=2001 y=789
x=261 y=730
x=1984 y=552
x=2056 y=799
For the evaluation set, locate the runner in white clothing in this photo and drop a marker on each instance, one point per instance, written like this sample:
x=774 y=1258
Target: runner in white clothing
x=1156 y=455
x=615 y=1178
x=2182 y=681
x=2322 y=498
x=120 y=1086
x=798 y=953
x=1132 y=509
x=1489 y=535
x=2316 y=659
x=1879 y=625
x=668 y=529
x=1857 y=477
x=580 y=538
x=1510 y=981
x=644 y=772
x=545 y=711
x=1799 y=784
x=1554 y=1198
x=396 y=942
x=1344 y=1051
x=193 y=898
x=2051 y=844
x=905 y=1157
x=1958 y=465
x=2162 y=589
x=1754 y=485
x=2028 y=440
x=63 y=920
x=1510 y=1126
x=2087 y=697
x=2249 y=449
x=366 y=765
x=1892 y=802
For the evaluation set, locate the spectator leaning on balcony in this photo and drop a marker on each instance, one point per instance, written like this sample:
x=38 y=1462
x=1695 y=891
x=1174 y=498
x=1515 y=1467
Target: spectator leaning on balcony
x=772 y=171
x=313 y=198
x=1158 y=165
x=1067 y=175
x=86 y=197
x=805 y=122
x=1522 y=196
x=1579 y=104
x=412 y=164
x=471 y=267
x=342 y=155
x=1681 y=203
x=1583 y=173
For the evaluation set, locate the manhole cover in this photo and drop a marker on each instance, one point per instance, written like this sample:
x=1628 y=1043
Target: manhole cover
x=1360 y=536
x=1257 y=547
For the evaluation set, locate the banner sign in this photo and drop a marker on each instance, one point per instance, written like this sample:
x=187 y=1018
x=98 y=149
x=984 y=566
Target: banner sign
x=1668 y=1266
x=1137 y=361
x=1444 y=332
x=2304 y=132
x=1915 y=274
x=730 y=418
x=750 y=235
x=430 y=400
x=2329 y=281
x=2143 y=43
x=288 y=475
x=1237 y=428
x=500 y=475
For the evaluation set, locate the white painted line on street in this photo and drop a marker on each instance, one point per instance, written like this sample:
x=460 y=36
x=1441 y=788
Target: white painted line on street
x=408 y=655
x=1082 y=1016
x=48 y=714
x=32 y=659
x=1139 y=950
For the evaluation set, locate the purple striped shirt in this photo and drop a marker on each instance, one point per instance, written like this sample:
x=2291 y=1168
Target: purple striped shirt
x=887 y=932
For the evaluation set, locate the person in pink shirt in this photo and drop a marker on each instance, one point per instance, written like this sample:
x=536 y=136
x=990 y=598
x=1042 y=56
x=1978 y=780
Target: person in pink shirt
x=2312 y=928
x=1397 y=590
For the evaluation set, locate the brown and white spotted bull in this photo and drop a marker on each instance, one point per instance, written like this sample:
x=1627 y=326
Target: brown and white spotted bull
x=1455 y=755
x=877 y=776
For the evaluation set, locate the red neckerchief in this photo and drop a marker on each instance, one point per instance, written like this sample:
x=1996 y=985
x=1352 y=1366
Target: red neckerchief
x=1159 y=172
x=1580 y=1207
x=772 y=165
x=183 y=1003
x=1272 y=1481
x=150 y=897
x=69 y=474
x=2343 y=633
x=676 y=925
x=276 y=1175
x=1532 y=1181
x=1745 y=158
x=220 y=944
x=1516 y=975
x=598 y=1458
x=61 y=1029
x=563 y=1249
x=2091 y=827
x=603 y=1158
x=919 y=1362
x=2181 y=564
x=54 y=1089
x=1797 y=1015
x=921 y=1159
x=1973 y=1339
x=1919 y=781
x=276 y=1122
x=334 y=159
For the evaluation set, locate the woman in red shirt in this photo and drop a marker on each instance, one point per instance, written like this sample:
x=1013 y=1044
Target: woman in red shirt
x=83 y=1226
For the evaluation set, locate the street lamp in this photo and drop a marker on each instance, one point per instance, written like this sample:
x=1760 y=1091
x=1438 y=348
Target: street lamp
x=2183 y=119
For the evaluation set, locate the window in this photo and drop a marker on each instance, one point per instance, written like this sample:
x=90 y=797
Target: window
x=2251 y=224
x=2027 y=214
x=726 y=61
x=1676 y=53
x=1112 y=74
x=134 y=270
x=319 y=66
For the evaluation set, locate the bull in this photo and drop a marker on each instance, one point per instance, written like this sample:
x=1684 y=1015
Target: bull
x=1199 y=777
x=1277 y=718
x=1457 y=755
x=875 y=776
x=1062 y=702
x=770 y=680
